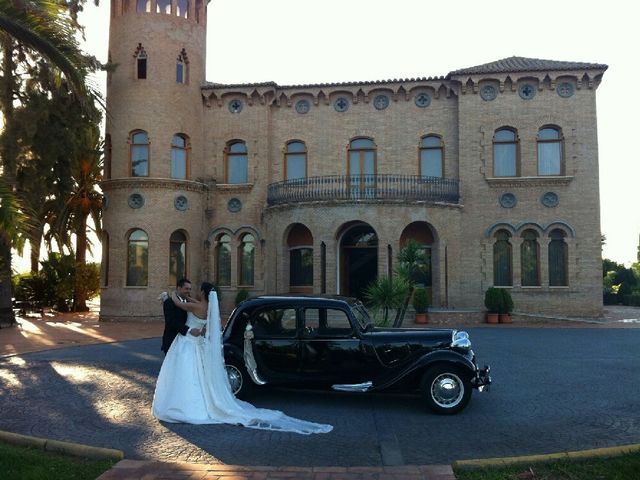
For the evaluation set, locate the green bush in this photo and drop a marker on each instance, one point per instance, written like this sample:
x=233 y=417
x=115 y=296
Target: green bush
x=507 y=301
x=420 y=300
x=632 y=299
x=493 y=299
x=241 y=296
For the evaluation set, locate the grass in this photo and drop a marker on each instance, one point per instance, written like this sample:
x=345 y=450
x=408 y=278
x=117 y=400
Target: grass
x=625 y=467
x=24 y=463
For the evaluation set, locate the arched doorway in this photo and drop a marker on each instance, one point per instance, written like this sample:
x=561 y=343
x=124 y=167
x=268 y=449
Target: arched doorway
x=421 y=233
x=358 y=260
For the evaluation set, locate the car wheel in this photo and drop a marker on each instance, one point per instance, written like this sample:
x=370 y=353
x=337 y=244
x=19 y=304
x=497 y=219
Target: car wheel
x=446 y=389
x=238 y=378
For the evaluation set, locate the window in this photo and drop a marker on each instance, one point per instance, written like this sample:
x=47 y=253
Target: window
x=530 y=259
x=505 y=153
x=558 y=259
x=182 y=8
x=163 y=6
x=141 y=62
x=326 y=322
x=236 y=162
x=107 y=156
x=275 y=322
x=181 y=67
x=179 y=163
x=502 y=271
x=247 y=260
x=105 y=259
x=223 y=261
x=177 y=257
x=550 y=151
x=361 y=168
x=138 y=259
x=296 y=160
x=139 y=154
x=301 y=267
x=143 y=6
x=431 y=156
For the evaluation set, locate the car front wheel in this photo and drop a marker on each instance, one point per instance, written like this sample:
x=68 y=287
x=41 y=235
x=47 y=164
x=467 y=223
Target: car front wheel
x=238 y=378
x=445 y=389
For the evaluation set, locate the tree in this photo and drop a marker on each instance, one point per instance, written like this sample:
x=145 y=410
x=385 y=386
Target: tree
x=387 y=293
x=412 y=264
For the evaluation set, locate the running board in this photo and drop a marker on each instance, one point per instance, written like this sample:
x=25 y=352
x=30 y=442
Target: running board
x=356 y=387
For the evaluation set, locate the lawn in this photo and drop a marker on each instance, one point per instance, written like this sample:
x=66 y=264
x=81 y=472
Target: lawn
x=24 y=463
x=625 y=467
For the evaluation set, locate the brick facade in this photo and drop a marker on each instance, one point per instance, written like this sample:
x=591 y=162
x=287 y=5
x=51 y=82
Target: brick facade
x=394 y=116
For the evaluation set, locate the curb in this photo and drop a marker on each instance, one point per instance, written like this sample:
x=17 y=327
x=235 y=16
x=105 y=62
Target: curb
x=574 y=455
x=67 y=448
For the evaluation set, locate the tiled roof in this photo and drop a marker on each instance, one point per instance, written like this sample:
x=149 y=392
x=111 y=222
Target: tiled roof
x=321 y=85
x=522 y=64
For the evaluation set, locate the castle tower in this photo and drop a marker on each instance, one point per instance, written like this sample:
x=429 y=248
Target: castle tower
x=154 y=204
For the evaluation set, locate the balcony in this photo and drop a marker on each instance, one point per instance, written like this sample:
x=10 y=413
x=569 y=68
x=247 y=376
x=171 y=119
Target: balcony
x=408 y=188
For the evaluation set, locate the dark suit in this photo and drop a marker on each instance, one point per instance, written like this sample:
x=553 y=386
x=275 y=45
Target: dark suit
x=175 y=322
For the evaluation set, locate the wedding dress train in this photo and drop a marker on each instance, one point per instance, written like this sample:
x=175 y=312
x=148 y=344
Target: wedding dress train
x=193 y=386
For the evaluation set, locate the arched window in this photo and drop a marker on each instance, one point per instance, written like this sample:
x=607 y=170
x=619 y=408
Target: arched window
x=105 y=259
x=558 y=259
x=182 y=8
x=247 y=260
x=139 y=155
x=177 y=257
x=296 y=160
x=163 y=6
x=141 y=62
x=300 y=243
x=431 y=156
x=138 y=259
x=236 y=162
x=550 y=151
x=223 y=261
x=361 y=168
x=502 y=271
x=505 y=153
x=530 y=259
x=143 y=6
x=179 y=157
x=182 y=64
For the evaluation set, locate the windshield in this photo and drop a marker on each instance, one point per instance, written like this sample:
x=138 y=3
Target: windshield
x=361 y=314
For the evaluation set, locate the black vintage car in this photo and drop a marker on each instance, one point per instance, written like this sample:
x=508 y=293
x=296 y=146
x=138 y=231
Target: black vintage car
x=330 y=342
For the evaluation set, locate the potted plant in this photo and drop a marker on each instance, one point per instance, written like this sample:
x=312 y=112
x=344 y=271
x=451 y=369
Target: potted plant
x=420 y=304
x=493 y=303
x=506 y=306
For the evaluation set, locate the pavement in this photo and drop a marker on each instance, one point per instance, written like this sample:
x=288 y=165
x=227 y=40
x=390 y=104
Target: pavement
x=36 y=333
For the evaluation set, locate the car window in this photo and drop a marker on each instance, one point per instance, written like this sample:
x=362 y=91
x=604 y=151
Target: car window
x=274 y=322
x=326 y=322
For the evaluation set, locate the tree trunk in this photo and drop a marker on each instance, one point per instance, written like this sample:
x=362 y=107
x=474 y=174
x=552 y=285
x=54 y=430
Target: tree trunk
x=397 y=323
x=34 y=256
x=79 y=290
x=6 y=301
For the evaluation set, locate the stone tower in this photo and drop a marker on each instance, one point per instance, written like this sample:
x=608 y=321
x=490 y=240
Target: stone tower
x=154 y=153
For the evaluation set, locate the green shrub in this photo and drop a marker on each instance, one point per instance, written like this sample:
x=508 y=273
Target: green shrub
x=493 y=299
x=507 y=302
x=420 y=300
x=241 y=296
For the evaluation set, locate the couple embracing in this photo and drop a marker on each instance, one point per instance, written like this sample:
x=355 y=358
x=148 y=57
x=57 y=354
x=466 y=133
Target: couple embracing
x=192 y=385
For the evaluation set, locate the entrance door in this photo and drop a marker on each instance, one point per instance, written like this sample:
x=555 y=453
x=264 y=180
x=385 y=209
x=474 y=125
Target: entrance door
x=359 y=260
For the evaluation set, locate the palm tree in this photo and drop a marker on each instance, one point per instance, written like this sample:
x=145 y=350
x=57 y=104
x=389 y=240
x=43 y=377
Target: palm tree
x=412 y=263
x=11 y=221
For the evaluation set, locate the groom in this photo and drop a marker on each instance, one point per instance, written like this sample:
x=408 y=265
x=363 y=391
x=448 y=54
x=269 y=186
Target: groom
x=175 y=319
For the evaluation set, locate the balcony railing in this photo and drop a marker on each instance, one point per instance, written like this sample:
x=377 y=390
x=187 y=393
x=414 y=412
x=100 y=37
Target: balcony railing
x=364 y=187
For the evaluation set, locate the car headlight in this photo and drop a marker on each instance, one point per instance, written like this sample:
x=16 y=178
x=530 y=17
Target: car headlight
x=460 y=340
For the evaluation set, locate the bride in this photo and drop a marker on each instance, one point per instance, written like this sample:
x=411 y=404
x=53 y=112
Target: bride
x=193 y=386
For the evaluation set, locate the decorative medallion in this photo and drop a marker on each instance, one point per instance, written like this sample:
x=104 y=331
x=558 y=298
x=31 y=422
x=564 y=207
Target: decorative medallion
x=235 y=106
x=181 y=203
x=423 y=100
x=136 y=200
x=234 y=205
x=341 y=104
x=508 y=200
x=527 y=91
x=302 y=106
x=488 y=93
x=381 y=102
x=550 y=199
x=565 y=89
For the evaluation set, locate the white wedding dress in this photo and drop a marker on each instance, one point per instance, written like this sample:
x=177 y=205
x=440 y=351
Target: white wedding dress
x=193 y=386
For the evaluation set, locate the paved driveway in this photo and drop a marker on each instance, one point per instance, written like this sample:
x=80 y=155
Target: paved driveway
x=554 y=390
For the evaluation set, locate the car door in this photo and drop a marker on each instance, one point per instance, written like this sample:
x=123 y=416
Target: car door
x=330 y=347
x=276 y=343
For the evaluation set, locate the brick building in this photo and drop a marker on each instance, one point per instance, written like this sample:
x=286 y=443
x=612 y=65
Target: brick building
x=315 y=188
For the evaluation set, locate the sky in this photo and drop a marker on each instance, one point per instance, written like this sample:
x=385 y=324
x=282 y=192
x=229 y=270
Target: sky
x=304 y=41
